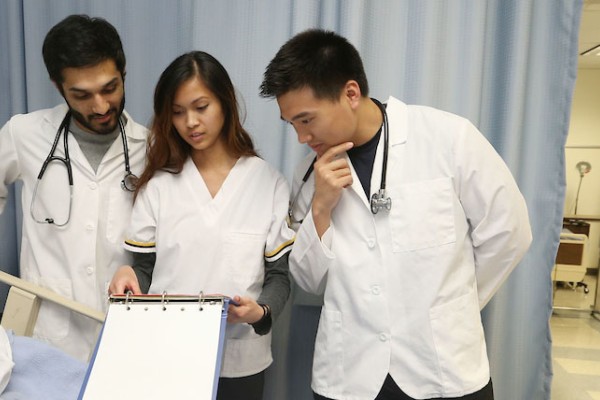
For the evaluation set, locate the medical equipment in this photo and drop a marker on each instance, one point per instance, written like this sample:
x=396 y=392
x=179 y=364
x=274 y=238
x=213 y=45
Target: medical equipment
x=128 y=182
x=571 y=260
x=379 y=200
x=40 y=370
x=291 y=219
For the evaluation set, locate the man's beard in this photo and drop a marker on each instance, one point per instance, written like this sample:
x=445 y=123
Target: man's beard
x=101 y=129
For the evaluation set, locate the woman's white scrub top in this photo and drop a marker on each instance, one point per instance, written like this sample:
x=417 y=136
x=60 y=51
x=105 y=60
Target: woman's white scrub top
x=216 y=245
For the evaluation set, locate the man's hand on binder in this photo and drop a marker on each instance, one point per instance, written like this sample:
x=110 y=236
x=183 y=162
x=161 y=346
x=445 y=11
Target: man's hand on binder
x=124 y=280
x=248 y=311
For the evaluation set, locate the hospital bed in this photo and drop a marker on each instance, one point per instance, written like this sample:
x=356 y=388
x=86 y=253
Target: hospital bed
x=571 y=265
x=40 y=371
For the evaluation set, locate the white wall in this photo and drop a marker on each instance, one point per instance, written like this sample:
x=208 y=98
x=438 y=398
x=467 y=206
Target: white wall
x=583 y=144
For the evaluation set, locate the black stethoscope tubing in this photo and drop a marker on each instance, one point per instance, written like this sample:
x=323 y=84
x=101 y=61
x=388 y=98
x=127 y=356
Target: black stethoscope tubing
x=127 y=183
x=379 y=200
x=63 y=128
x=129 y=176
x=386 y=138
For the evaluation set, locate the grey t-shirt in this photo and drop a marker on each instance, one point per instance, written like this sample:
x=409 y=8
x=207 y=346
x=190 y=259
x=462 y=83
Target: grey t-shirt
x=93 y=145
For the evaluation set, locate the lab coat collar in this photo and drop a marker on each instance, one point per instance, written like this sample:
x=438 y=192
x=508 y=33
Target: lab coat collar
x=137 y=134
x=397 y=121
x=398 y=126
x=57 y=115
x=116 y=149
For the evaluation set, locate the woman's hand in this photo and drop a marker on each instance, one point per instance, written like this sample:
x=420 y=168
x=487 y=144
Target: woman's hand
x=124 y=280
x=248 y=311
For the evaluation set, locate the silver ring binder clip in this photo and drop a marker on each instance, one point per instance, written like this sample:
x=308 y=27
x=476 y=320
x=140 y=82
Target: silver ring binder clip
x=164 y=300
x=201 y=299
x=127 y=300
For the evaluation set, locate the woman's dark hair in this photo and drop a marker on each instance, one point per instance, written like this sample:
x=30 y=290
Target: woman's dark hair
x=166 y=149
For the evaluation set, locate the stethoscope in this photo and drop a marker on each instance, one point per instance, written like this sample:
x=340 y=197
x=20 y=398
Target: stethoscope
x=128 y=182
x=380 y=200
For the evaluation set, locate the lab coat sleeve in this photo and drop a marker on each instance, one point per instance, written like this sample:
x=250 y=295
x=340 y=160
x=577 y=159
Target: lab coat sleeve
x=495 y=209
x=9 y=163
x=311 y=257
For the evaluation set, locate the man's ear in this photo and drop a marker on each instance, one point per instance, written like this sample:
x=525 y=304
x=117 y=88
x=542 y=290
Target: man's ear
x=352 y=92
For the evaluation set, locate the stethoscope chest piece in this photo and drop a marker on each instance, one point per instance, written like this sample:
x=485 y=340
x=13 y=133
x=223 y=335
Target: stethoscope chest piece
x=380 y=201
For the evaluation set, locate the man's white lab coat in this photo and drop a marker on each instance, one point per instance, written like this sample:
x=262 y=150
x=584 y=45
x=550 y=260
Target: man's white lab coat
x=403 y=289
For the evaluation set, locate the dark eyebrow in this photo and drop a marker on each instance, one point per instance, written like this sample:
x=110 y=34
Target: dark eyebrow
x=193 y=102
x=299 y=116
x=107 y=84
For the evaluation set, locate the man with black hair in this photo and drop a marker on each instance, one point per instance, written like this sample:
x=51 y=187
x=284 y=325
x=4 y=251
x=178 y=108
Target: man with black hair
x=77 y=163
x=407 y=221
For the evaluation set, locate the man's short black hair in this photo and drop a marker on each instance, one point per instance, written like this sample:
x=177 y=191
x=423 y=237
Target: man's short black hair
x=81 y=41
x=321 y=60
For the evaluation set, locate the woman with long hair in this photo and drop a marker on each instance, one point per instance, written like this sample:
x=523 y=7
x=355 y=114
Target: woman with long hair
x=210 y=215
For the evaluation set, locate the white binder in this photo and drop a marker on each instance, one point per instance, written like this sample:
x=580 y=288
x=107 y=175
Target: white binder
x=158 y=347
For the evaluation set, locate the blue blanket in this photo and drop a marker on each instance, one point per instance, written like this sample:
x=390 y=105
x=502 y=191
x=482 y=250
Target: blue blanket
x=42 y=372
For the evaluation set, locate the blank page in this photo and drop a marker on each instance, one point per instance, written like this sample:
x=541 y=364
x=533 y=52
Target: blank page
x=148 y=352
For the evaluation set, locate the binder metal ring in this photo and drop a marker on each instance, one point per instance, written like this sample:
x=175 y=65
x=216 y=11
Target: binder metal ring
x=164 y=300
x=127 y=300
x=201 y=299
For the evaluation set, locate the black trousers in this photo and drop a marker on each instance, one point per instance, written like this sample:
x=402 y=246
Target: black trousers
x=391 y=391
x=246 y=387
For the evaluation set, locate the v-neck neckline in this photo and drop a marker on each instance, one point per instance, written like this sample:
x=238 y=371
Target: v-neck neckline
x=205 y=192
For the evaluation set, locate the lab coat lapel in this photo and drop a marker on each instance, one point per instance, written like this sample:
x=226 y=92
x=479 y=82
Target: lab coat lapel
x=398 y=123
x=117 y=149
x=397 y=136
x=356 y=186
x=396 y=111
x=55 y=119
x=79 y=161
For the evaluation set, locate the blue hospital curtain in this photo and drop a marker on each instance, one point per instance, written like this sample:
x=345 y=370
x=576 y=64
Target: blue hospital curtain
x=507 y=65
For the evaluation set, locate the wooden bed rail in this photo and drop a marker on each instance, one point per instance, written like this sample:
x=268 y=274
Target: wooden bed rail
x=23 y=303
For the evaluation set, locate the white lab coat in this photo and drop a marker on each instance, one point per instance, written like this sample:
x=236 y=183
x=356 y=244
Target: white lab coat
x=79 y=259
x=403 y=289
x=216 y=245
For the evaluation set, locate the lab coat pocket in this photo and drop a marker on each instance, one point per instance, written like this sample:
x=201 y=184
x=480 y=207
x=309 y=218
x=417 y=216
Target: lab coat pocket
x=328 y=363
x=422 y=215
x=459 y=341
x=54 y=320
x=244 y=255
